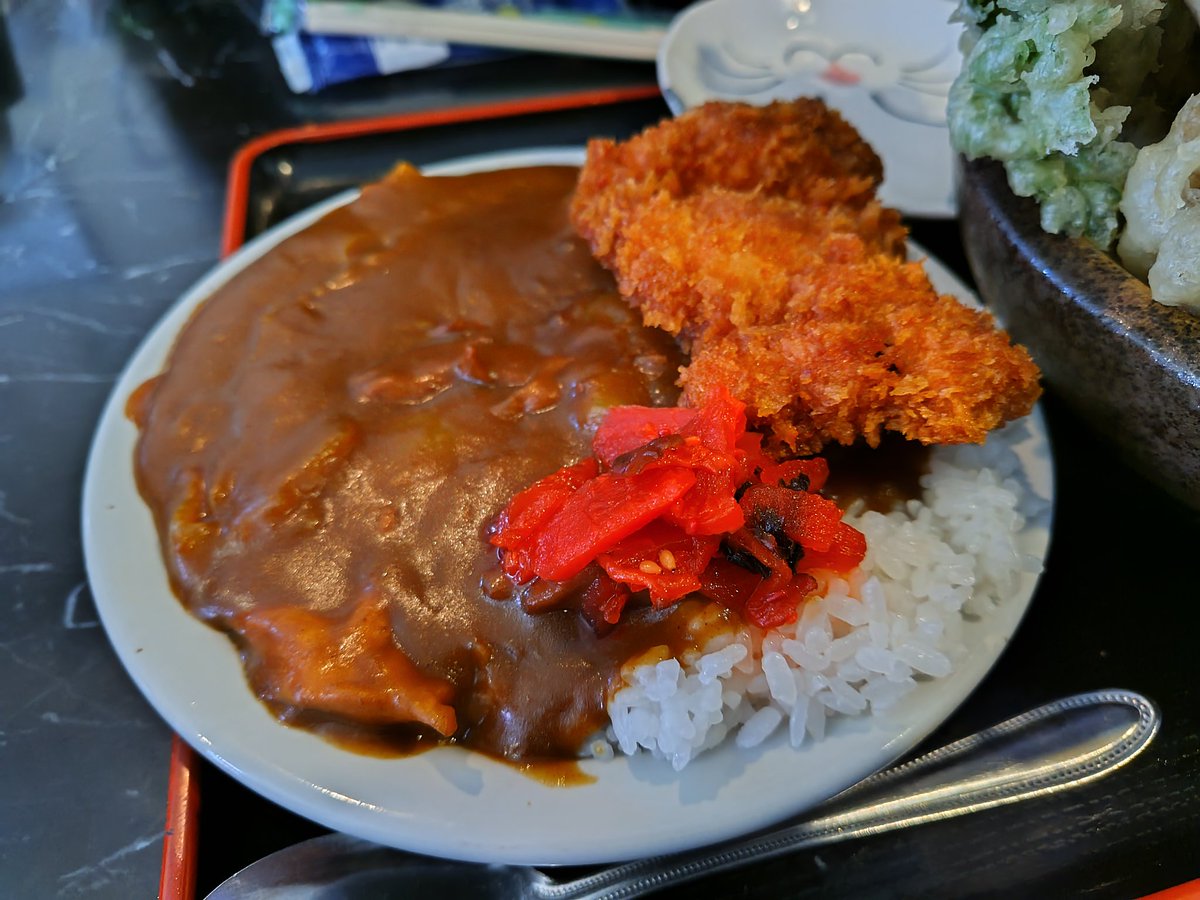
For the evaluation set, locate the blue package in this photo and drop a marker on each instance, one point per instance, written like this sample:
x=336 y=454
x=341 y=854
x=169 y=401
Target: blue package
x=310 y=62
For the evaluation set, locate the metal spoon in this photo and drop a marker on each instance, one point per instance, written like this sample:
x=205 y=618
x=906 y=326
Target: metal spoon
x=1053 y=747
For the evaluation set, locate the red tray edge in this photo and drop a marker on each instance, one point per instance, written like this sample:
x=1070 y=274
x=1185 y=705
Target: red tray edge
x=237 y=191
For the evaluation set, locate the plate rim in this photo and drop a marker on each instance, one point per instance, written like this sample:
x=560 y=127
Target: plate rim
x=317 y=794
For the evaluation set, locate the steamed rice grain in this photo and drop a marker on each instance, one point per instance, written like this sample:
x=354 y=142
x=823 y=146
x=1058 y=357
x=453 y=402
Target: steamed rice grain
x=867 y=640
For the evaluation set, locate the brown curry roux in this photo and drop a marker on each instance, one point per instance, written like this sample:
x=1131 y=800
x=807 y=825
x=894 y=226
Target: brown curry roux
x=337 y=425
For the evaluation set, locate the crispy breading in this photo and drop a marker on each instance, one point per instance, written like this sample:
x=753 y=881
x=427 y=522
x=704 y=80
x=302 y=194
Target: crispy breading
x=720 y=259
x=753 y=234
x=799 y=150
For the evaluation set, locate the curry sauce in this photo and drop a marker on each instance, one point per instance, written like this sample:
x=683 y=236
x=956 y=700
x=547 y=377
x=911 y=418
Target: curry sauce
x=336 y=427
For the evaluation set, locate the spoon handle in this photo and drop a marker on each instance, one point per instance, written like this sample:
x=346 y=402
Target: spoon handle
x=1064 y=743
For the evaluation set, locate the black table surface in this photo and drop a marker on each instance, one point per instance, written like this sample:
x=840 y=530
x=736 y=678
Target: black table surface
x=117 y=123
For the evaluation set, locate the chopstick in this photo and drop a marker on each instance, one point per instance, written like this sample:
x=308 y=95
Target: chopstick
x=612 y=38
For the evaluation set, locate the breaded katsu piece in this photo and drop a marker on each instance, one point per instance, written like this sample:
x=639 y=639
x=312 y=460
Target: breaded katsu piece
x=800 y=150
x=719 y=260
x=772 y=261
x=920 y=364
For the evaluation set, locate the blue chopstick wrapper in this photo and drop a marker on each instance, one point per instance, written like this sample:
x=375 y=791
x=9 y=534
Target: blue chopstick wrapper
x=310 y=62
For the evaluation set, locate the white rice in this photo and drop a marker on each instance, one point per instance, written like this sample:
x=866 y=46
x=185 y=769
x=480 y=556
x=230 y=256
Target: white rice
x=862 y=645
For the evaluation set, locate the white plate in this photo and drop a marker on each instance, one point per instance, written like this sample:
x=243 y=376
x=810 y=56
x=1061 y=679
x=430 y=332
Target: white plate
x=449 y=801
x=885 y=65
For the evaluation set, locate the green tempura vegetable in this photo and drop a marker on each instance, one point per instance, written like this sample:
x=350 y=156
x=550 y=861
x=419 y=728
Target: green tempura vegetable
x=1047 y=88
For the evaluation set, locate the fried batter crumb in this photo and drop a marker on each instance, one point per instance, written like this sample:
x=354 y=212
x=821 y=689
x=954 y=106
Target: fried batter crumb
x=754 y=235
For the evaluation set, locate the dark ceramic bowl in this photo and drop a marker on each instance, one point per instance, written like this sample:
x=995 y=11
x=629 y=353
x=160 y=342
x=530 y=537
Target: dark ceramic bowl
x=1128 y=366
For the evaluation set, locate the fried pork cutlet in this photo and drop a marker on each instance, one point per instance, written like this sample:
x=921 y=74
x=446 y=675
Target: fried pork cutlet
x=754 y=235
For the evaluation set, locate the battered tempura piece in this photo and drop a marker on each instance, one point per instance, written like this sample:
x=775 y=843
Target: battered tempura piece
x=754 y=235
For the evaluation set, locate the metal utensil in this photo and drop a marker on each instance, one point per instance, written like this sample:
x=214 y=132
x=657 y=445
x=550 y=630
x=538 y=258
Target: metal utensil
x=1053 y=747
